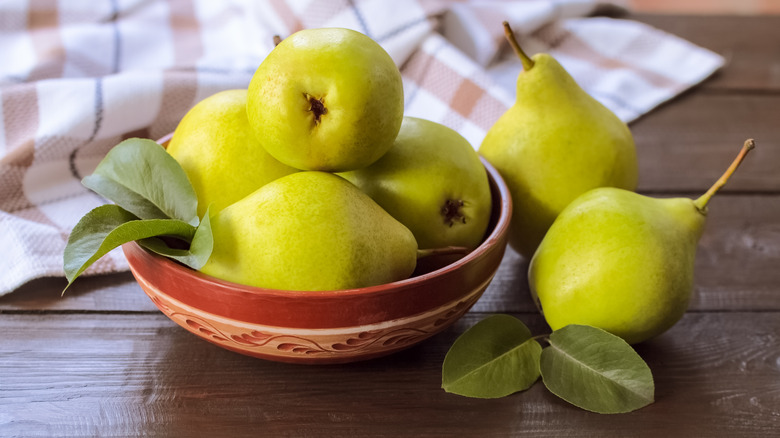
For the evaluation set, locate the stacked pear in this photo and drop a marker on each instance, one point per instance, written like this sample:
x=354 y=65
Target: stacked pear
x=433 y=182
x=262 y=160
x=621 y=261
x=223 y=160
x=310 y=231
x=326 y=99
x=555 y=143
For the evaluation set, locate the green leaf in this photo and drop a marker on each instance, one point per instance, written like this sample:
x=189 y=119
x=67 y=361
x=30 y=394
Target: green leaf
x=595 y=370
x=122 y=196
x=109 y=226
x=494 y=358
x=194 y=257
x=141 y=177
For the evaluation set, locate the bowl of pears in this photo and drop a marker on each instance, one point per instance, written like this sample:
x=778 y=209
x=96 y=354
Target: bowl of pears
x=340 y=229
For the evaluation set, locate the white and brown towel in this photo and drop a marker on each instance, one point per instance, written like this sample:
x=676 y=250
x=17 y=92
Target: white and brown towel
x=77 y=77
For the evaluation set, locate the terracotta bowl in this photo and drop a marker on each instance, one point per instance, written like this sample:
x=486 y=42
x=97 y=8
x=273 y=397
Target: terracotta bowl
x=325 y=327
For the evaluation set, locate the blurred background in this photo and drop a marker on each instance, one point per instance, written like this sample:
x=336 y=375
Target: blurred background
x=714 y=7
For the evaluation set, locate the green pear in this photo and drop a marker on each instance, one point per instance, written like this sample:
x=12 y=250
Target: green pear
x=219 y=153
x=309 y=231
x=621 y=261
x=555 y=143
x=326 y=99
x=433 y=182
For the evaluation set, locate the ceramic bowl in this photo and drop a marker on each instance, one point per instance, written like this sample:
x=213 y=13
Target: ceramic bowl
x=325 y=327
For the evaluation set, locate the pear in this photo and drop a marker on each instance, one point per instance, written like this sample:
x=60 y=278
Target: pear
x=217 y=150
x=326 y=99
x=555 y=143
x=309 y=231
x=433 y=182
x=621 y=261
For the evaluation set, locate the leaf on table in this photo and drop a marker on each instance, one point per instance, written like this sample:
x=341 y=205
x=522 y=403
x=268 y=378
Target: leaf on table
x=141 y=177
x=109 y=226
x=596 y=371
x=494 y=358
x=199 y=249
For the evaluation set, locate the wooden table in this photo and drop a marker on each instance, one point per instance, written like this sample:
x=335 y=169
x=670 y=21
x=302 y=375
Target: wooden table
x=103 y=361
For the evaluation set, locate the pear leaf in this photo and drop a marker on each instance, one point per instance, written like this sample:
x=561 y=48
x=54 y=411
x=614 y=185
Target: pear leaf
x=109 y=226
x=596 y=371
x=494 y=358
x=199 y=249
x=141 y=177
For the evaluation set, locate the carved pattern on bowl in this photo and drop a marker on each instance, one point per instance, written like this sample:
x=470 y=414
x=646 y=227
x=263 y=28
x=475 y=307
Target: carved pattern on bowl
x=294 y=344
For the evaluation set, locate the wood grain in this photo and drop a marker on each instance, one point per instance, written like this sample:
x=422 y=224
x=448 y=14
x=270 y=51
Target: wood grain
x=749 y=45
x=118 y=375
x=103 y=293
x=687 y=144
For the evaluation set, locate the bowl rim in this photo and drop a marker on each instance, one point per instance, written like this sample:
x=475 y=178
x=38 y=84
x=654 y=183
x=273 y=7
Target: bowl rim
x=501 y=226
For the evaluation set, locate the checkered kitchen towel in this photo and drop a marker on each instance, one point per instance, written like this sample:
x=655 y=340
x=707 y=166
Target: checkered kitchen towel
x=77 y=77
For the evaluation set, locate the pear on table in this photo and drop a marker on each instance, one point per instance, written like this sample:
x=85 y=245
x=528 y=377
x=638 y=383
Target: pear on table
x=621 y=261
x=555 y=143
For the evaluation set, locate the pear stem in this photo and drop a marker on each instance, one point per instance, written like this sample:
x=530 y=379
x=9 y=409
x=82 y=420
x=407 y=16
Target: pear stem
x=277 y=40
x=447 y=250
x=701 y=203
x=528 y=63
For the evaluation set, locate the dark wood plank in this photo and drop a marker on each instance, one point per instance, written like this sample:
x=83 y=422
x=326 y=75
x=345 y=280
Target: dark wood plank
x=739 y=255
x=749 y=45
x=685 y=145
x=119 y=375
x=104 y=293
